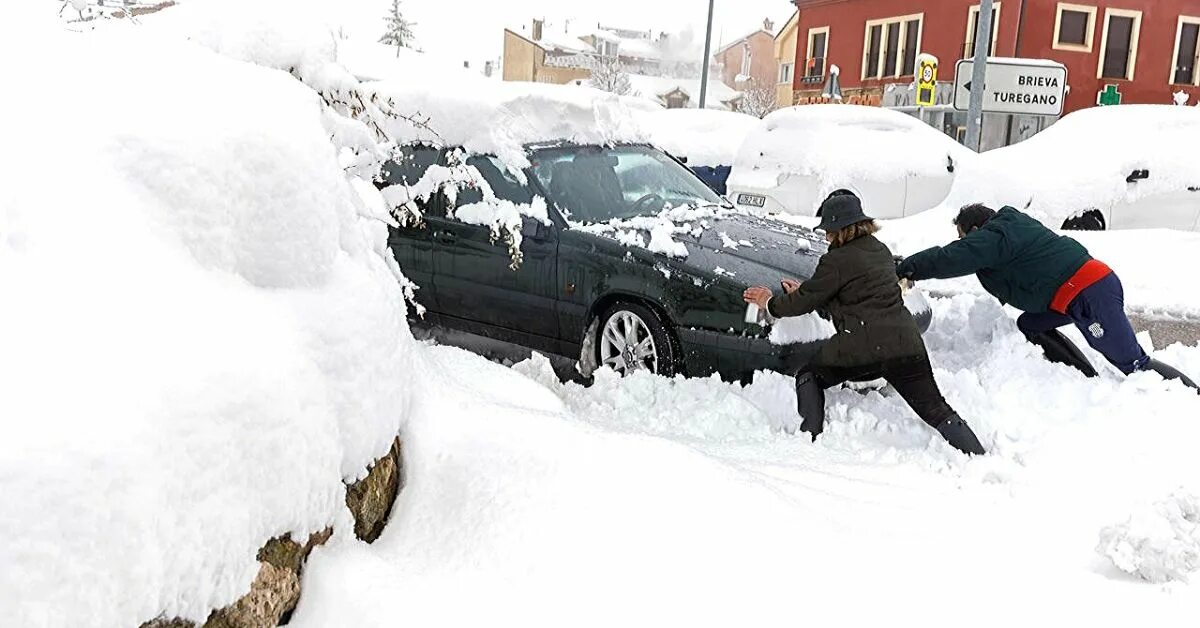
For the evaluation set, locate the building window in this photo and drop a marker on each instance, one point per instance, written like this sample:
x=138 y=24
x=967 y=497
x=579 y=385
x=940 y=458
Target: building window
x=818 y=49
x=1074 y=26
x=1118 y=47
x=1187 y=52
x=973 y=28
x=891 y=46
x=785 y=72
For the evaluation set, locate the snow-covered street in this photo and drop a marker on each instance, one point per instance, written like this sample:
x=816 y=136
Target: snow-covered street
x=648 y=501
x=214 y=255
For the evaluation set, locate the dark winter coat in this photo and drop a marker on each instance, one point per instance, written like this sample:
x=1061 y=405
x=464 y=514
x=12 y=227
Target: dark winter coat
x=857 y=285
x=1018 y=260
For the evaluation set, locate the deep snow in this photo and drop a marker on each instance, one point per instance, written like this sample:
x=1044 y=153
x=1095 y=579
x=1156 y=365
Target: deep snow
x=648 y=501
x=203 y=332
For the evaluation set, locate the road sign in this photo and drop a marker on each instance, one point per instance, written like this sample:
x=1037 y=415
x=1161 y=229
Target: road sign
x=1110 y=95
x=927 y=66
x=1023 y=86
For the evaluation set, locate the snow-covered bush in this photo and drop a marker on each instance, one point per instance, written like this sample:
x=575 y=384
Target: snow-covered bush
x=1158 y=543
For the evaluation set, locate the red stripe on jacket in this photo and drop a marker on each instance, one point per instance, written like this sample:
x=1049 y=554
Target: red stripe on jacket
x=1092 y=271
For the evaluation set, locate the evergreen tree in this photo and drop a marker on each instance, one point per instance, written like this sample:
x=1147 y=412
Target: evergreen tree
x=399 y=30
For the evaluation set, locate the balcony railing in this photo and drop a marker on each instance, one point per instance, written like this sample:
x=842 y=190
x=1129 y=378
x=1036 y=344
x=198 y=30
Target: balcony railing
x=814 y=70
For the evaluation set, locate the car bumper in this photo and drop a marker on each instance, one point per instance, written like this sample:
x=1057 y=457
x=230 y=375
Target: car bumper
x=737 y=358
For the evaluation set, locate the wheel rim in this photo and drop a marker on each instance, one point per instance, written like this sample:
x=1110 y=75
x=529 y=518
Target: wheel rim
x=626 y=344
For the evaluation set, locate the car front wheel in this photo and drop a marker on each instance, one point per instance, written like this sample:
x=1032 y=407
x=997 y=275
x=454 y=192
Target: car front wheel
x=633 y=338
x=1091 y=220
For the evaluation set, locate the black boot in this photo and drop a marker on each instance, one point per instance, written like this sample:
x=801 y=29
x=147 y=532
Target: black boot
x=959 y=435
x=1169 y=372
x=810 y=403
x=1059 y=350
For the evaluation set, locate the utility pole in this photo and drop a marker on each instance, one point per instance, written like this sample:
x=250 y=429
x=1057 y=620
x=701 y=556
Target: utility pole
x=707 y=54
x=983 y=35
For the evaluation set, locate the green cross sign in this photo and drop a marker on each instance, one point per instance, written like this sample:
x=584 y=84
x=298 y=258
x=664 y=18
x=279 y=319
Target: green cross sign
x=1109 y=96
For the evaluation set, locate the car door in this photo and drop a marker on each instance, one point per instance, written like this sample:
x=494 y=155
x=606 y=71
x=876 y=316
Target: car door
x=1170 y=210
x=412 y=244
x=473 y=274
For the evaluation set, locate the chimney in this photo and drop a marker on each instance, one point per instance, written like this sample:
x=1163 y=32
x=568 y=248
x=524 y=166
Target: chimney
x=537 y=29
x=768 y=25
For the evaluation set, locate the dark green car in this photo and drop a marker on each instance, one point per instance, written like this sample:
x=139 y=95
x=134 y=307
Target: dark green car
x=589 y=286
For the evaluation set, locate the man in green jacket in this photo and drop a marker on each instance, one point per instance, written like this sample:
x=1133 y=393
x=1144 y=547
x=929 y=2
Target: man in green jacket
x=1051 y=278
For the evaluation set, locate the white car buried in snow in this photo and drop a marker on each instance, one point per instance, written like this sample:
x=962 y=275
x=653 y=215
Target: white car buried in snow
x=898 y=165
x=1126 y=167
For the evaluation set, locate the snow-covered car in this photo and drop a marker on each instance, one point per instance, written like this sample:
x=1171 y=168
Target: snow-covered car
x=635 y=264
x=795 y=157
x=1126 y=167
x=707 y=140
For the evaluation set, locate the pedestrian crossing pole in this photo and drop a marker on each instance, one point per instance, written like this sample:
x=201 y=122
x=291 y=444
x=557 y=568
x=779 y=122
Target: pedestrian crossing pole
x=983 y=34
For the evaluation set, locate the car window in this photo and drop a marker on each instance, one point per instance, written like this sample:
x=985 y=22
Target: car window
x=596 y=184
x=407 y=168
x=504 y=183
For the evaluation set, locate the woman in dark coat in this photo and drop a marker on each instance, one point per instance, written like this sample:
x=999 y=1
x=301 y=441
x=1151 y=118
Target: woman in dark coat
x=877 y=337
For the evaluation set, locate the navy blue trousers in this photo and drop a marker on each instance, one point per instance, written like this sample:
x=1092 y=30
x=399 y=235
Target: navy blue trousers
x=1099 y=313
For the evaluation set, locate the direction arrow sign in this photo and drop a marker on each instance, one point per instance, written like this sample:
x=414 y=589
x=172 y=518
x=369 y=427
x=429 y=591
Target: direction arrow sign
x=1023 y=86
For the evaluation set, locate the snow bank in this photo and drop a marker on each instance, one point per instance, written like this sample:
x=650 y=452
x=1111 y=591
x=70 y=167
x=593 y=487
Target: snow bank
x=1082 y=161
x=706 y=137
x=1159 y=543
x=841 y=143
x=203 y=333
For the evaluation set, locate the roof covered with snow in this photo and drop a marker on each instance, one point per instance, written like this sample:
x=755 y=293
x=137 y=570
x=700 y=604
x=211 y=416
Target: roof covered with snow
x=842 y=142
x=659 y=86
x=706 y=137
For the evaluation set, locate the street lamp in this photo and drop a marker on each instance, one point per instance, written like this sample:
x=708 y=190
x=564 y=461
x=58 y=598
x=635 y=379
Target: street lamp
x=707 y=53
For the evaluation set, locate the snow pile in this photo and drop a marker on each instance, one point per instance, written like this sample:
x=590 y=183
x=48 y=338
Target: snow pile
x=1083 y=160
x=704 y=137
x=1157 y=544
x=202 y=328
x=673 y=502
x=840 y=143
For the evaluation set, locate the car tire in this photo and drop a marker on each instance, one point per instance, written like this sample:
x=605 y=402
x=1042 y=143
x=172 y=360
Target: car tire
x=1091 y=220
x=625 y=320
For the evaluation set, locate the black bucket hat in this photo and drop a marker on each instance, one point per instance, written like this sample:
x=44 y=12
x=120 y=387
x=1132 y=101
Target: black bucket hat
x=841 y=210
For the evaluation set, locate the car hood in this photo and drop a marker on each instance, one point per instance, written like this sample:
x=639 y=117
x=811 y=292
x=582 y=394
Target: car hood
x=752 y=250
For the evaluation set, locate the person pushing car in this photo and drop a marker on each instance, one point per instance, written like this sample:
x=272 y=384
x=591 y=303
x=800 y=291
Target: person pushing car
x=877 y=337
x=1051 y=278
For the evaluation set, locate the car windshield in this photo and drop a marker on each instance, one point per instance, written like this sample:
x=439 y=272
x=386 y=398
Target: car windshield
x=594 y=184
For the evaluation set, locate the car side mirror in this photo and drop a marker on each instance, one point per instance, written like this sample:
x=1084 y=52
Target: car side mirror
x=1137 y=175
x=531 y=228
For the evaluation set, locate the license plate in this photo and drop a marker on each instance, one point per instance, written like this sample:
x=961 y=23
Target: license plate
x=753 y=200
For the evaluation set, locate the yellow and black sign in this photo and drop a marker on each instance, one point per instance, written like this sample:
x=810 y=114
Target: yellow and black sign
x=927 y=80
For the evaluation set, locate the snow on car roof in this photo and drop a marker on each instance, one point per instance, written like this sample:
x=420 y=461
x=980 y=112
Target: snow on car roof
x=841 y=144
x=501 y=118
x=706 y=137
x=1083 y=160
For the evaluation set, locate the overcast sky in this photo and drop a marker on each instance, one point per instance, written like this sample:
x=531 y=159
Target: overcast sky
x=473 y=30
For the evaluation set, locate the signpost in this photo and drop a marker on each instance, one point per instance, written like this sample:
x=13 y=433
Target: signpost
x=983 y=33
x=927 y=71
x=1017 y=86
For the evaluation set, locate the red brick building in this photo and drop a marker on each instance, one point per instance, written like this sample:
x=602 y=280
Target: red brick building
x=1147 y=49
